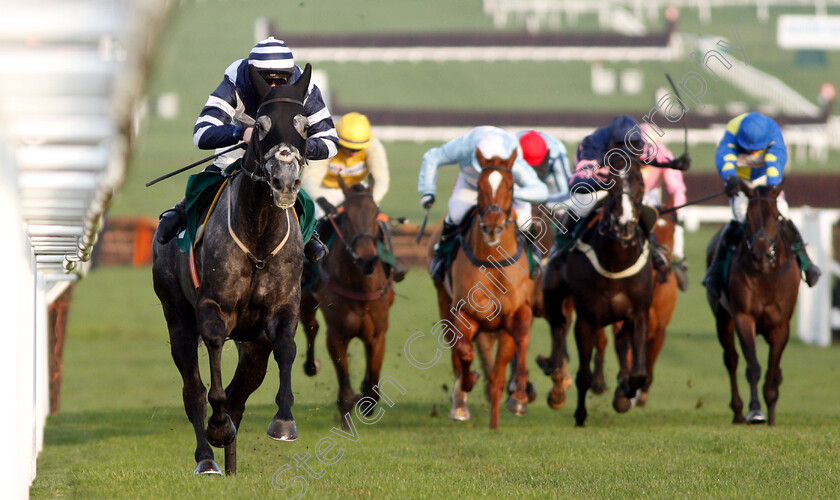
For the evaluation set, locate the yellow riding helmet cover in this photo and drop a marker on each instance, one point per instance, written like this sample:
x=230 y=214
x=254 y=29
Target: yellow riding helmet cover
x=354 y=131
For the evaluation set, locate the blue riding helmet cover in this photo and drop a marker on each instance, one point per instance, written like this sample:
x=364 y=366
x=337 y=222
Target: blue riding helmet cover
x=620 y=126
x=755 y=132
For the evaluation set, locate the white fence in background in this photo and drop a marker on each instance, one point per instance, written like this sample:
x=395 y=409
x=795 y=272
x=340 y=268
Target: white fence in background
x=814 y=308
x=612 y=14
x=70 y=78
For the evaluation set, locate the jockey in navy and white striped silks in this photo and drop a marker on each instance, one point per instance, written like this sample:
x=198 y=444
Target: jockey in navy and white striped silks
x=231 y=108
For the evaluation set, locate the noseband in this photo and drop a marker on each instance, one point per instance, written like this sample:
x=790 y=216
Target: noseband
x=349 y=245
x=750 y=242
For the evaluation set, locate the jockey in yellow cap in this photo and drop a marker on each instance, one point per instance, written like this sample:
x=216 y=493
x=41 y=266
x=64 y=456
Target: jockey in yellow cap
x=360 y=154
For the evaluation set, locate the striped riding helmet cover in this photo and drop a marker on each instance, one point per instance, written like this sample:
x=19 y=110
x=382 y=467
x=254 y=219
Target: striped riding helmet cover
x=272 y=54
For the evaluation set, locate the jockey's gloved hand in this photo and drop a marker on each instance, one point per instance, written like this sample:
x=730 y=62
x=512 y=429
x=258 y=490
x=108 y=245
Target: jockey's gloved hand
x=683 y=162
x=427 y=201
x=732 y=186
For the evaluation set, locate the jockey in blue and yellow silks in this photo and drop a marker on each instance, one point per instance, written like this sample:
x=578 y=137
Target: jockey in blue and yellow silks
x=753 y=149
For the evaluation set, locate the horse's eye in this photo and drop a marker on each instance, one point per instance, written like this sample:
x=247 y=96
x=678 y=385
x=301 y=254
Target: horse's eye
x=264 y=123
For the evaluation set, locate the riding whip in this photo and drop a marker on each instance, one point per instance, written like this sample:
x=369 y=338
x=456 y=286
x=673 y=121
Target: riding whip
x=241 y=145
x=682 y=118
x=422 y=226
x=673 y=209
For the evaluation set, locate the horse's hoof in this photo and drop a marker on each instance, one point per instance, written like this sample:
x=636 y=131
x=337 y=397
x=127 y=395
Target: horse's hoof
x=282 y=430
x=622 y=404
x=599 y=385
x=461 y=413
x=531 y=391
x=556 y=398
x=221 y=435
x=516 y=407
x=641 y=399
x=756 y=417
x=739 y=419
x=208 y=467
x=312 y=369
x=545 y=365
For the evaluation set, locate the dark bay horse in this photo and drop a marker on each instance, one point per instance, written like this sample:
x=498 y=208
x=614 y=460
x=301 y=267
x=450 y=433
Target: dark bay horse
x=665 y=294
x=490 y=291
x=249 y=268
x=355 y=293
x=610 y=279
x=758 y=299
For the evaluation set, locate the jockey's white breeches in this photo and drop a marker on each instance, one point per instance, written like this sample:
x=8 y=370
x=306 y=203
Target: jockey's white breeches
x=465 y=197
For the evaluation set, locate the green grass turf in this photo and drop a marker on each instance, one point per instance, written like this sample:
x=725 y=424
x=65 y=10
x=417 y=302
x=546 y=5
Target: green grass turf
x=122 y=431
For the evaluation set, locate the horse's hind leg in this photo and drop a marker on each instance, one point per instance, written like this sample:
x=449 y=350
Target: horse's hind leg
x=654 y=346
x=745 y=326
x=309 y=321
x=283 y=324
x=726 y=336
x=773 y=379
x=624 y=390
x=250 y=372
x=556 y=365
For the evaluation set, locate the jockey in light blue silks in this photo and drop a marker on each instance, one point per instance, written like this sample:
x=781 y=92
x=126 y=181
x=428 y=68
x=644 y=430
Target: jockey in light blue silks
x=753 y=149
x=491 y=141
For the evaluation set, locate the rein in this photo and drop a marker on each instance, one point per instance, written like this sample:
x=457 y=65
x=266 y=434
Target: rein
x=483 y=263
x=258 y=263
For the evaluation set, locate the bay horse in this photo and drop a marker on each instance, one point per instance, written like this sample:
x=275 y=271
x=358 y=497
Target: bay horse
x=489 y=289
x=245 y=283
x=610 y=278
x=758 y=298
x=355 y=293
x=665 y=292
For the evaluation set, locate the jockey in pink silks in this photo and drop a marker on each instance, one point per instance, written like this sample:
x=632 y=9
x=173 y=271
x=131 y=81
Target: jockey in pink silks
x=671 y=182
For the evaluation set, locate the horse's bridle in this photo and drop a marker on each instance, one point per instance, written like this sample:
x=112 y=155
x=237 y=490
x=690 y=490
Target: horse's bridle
x=261 y=173
x=750 y=242
x=495 y=209
x=350 y=245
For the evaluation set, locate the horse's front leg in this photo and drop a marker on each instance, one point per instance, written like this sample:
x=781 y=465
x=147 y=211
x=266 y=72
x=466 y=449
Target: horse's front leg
x=521 y=332
x=726 y=336
x=778 y=340
x=504 y=354
x=585 y=339
x=214 y=329
x=559 y=308
x=623 y=349
x=639 y=336
x=309 y=321
x=745 y=326
x=281 y=330
x=463 y=354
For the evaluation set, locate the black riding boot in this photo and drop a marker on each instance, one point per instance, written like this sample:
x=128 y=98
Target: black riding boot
x=315 y=250
x=438 y=266
x=647 y=219
x=396 y=271
x=791 y=233
x=714 y=279
x=535 y=262
x=171 y=222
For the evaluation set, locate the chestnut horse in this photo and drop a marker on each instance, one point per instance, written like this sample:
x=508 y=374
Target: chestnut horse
x=665 y=293
x=758 y=299
x=489 y=289
x=355 y=293
x=610 y=277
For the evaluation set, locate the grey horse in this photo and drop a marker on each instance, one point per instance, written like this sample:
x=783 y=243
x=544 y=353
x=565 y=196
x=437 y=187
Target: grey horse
x=248 y=268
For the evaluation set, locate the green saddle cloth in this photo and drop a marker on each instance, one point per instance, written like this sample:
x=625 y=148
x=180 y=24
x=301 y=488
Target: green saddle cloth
x=201 y=190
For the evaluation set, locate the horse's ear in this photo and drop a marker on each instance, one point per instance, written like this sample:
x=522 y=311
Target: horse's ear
x=302 y=85
x=746 y=188
x=510 y=161
x=777 y=189
x=371 y=183
x=260 y=87
x=481 y=159
x=341 y=183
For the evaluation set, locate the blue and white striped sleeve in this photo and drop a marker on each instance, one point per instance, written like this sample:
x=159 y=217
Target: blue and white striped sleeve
x=214 y=127
x=322 y=141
